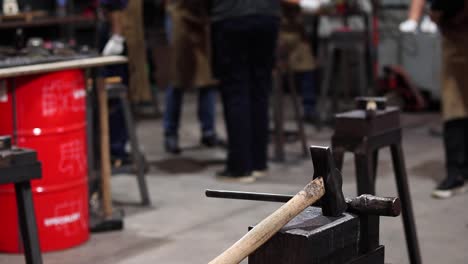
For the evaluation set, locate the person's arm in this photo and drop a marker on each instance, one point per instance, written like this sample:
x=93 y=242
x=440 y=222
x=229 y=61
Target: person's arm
x=115 y=44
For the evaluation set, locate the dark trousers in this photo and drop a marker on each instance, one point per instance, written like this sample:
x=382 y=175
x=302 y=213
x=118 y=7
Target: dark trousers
x=456 y=148
x=307 y=83
x=244 y=51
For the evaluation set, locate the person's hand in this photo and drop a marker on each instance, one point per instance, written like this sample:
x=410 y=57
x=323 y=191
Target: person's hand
x=114 y=46
x=409 y=26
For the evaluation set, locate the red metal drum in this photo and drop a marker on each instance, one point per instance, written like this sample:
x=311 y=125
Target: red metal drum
x=51 y=119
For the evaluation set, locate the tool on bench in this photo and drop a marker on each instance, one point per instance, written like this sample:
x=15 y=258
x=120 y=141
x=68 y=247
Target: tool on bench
x=326 y=187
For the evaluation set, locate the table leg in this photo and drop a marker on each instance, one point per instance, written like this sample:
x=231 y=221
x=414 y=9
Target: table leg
x=27 y=221
x=298 y=113
x=278 y=116
x=138 y=158
x=407 y=209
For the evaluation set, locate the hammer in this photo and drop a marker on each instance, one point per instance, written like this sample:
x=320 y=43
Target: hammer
x=326 y=187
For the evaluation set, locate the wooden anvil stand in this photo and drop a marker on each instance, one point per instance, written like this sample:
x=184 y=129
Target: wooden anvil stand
x=364 y=132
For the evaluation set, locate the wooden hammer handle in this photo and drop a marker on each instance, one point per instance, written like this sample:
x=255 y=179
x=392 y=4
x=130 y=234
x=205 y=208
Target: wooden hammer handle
x=262 y=232
x=106 y=169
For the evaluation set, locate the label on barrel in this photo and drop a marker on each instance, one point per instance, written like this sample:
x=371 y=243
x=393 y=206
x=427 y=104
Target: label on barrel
x=62 y=96
x=62 y=220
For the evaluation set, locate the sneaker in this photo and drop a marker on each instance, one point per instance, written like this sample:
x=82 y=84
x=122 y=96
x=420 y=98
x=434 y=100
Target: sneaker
x=427 y=26
x=409 y=26
x=259 y=173
x=449 y=188
x=229 y=176
x=171 y=144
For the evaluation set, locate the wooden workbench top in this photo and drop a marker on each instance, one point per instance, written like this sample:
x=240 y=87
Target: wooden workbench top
x=62 y=65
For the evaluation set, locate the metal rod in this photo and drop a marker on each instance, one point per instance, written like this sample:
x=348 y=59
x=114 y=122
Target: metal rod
x=264 y=197
x=364 y=204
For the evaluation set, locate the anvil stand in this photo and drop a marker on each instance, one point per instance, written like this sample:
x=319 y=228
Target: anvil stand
x=364 y=133
x=278 y=113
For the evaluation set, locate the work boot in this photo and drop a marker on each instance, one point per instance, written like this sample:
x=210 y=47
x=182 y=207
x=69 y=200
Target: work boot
x=171 y=144
x=211 y=140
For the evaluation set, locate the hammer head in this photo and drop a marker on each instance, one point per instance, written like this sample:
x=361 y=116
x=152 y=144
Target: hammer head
x=333 y=202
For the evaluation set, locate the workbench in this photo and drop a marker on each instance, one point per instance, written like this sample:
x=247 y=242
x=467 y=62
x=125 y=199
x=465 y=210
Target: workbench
x=87 y=63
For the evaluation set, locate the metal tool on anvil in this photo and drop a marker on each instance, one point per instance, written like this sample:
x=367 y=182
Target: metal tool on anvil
x=326 y=186
x=364 y=204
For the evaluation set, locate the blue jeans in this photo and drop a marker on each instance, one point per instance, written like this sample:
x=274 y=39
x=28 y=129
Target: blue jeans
x=206 y=110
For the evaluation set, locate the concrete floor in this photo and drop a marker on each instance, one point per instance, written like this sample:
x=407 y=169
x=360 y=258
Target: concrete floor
x=183 y=226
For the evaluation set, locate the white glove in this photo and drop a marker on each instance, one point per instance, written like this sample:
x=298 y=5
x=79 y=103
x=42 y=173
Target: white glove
x=409 y=26
x=114 y=46
x=427 y=26
x=312 y=5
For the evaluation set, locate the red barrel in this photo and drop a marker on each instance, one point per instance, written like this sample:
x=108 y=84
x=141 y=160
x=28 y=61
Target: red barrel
x=51 y=119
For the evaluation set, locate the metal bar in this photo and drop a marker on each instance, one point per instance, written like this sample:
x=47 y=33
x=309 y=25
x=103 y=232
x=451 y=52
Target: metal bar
x=297 y=112
x=365 y=204
x=278 y=116
x=136 y=154
x=264 y=197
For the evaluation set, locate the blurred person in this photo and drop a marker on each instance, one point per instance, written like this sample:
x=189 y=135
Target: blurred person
x=410 y=25
x=452 y=19
x=188 y=32
x=244 y=35
x=300 y=60
x=112 y=42
x=116 y=42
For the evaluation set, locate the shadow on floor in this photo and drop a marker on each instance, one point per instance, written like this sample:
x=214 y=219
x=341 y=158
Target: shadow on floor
x=184 y=165
x=433 y=169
